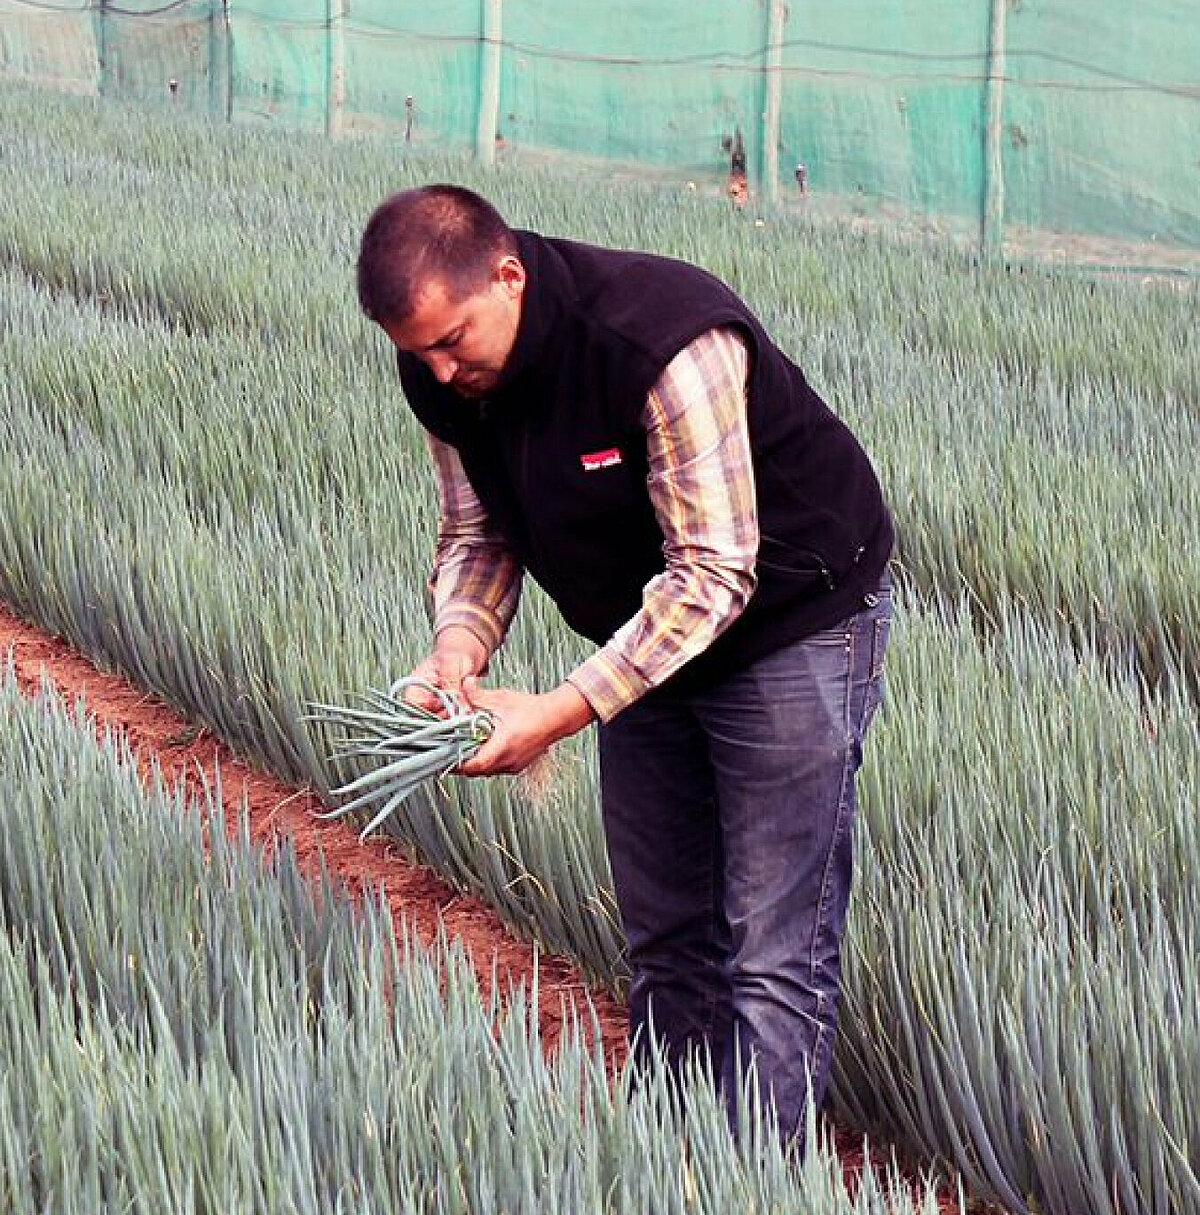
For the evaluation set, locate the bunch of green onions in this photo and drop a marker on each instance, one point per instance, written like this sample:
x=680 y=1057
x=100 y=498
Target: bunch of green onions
x=408 y=744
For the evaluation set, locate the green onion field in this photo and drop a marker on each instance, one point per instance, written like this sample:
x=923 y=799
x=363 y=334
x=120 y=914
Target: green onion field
x=209 y=480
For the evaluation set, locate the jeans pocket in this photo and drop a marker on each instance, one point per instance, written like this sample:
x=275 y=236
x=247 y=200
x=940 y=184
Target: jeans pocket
x=837 y=637
x=883 y=631
x=880 y=634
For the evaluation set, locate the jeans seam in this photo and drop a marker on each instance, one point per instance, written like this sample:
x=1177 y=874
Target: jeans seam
x=819 y=1040
x=822 y=902
x=713 y=996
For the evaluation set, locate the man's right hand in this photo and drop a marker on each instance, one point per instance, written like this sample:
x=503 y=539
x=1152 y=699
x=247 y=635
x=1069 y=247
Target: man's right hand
x=457 y=653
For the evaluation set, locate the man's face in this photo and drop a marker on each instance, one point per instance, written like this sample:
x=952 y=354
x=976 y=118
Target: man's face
x=467 y=342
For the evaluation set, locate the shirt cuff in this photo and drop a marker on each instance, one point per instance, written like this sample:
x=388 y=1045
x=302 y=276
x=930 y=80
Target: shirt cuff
x=607 y=684
x=485 y=625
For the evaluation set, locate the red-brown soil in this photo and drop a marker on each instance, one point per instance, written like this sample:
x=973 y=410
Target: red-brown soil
x=416 y=895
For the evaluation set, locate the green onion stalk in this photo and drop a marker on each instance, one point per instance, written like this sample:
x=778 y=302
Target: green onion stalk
x=407 y=744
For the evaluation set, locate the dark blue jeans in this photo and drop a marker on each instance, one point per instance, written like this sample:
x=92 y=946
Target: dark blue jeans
x=729 y=816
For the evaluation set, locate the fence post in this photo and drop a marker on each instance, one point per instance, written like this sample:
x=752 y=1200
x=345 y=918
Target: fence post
x=229 y=63
x=991 y=235
x=772 y=100
x=102 y=48
x=214 y=58
x=492 y=18
x=335 y=67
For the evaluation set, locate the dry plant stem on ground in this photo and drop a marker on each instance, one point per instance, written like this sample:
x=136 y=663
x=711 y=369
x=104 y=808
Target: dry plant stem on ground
x=414 y=894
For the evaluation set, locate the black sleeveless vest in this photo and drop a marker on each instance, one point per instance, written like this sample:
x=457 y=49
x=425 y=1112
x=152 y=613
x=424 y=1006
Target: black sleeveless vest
x=557 y=453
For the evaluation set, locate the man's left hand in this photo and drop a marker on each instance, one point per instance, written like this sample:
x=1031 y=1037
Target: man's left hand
x=526 y=725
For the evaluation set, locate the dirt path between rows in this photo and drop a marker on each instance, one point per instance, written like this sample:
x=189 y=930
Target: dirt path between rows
x=416 y=895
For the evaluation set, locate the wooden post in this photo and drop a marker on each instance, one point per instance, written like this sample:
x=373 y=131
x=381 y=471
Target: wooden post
x=335 y=62
x=991 y=234
x=492 y=17
x=772 y=100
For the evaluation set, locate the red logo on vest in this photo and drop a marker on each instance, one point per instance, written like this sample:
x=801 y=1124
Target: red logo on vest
x=601 y=459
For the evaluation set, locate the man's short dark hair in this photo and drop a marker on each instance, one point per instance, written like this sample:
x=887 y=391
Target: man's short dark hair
x=438 y=232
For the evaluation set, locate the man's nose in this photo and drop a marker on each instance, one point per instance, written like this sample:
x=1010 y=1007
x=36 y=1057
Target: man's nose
x=442 y=366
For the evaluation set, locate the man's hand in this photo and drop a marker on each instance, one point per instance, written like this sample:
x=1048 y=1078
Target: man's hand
x=457 y=655
x=526 y=725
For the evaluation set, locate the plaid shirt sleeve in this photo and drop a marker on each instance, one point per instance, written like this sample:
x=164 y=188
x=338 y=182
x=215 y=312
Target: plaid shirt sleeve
x=476 y=580
x=701 y=483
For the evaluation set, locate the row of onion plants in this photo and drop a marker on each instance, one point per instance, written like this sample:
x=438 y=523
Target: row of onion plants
x=188 y=1027
x=1035 y=473
x=1073 y=330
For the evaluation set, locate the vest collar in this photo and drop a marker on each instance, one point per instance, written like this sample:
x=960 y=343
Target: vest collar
x=547 y=290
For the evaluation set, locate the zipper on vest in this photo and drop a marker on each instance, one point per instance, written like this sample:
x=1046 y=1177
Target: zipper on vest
x=819 y=565
x=525 y=497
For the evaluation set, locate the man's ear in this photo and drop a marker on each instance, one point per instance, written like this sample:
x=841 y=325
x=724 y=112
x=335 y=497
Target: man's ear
x=510 y=275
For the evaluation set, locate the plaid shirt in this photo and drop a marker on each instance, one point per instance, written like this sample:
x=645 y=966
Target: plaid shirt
x=701 y=484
